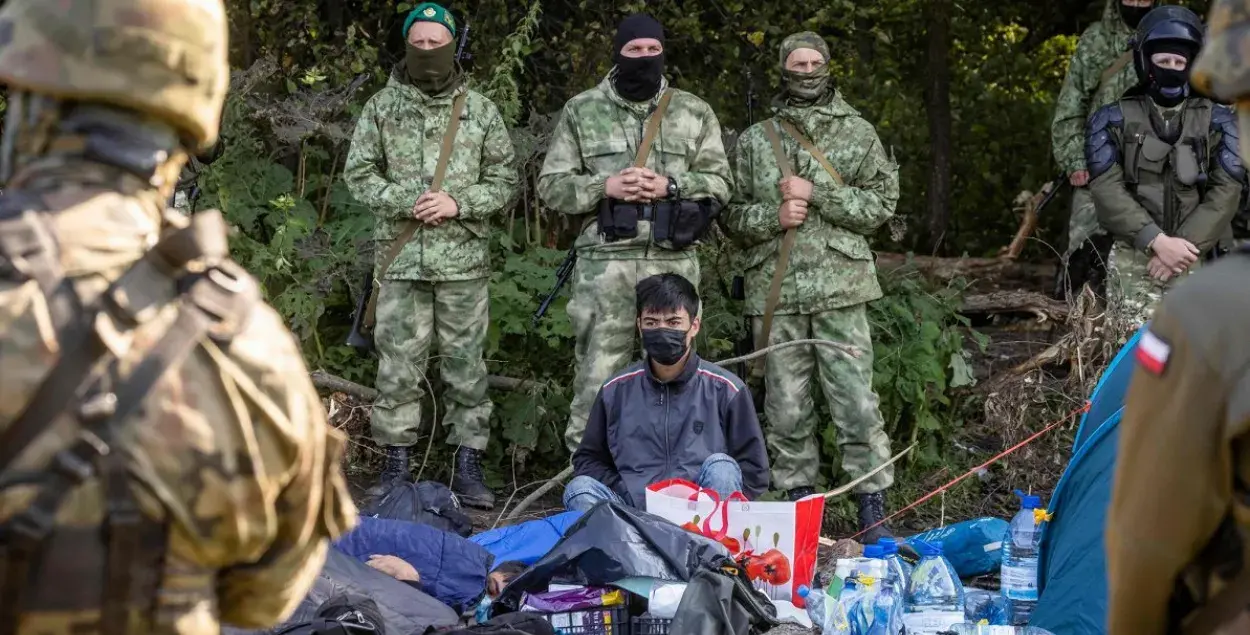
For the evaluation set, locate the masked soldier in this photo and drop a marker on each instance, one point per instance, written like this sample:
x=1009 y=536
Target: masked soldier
x=437 y=285
x=819 y=169
x=1180 y=509
x=165 y=463
x=1164 y=171
x=643 y=166
x=1098 y=74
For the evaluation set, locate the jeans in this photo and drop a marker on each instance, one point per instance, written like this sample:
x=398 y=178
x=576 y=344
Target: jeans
x=720 y=473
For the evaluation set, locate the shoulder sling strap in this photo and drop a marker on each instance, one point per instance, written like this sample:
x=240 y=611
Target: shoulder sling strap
x=653 y=126
x=1116 y=66
x=215 y=302
x=411 y=226
x=787 y=240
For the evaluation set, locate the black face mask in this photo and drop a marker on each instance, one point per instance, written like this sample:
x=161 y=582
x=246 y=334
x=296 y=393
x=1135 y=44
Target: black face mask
x=638 y=78
x=665 y=346
x=1168 y=87
x=1133 y=15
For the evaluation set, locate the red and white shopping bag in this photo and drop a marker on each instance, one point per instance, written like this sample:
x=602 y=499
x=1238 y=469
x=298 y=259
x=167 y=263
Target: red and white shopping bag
x=776 y=542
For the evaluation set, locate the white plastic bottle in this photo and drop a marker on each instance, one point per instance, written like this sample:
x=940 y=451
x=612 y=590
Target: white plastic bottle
x=935 y=595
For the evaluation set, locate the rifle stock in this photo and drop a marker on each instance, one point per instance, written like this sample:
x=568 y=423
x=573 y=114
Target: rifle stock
x=563 y=273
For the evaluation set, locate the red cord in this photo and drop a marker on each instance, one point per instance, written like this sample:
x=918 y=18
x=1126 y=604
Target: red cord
x=1056 y=424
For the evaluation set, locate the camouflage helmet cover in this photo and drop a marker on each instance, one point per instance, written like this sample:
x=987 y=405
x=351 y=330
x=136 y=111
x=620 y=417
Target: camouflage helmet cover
x=164 y=58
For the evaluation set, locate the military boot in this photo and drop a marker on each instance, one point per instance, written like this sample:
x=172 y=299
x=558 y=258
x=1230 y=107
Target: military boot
x=871 y=512
x=800 y=493
x=468 y=483
x=396 y=464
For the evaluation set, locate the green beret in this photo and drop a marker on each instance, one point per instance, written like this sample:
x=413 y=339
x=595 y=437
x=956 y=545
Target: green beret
x=430 y=12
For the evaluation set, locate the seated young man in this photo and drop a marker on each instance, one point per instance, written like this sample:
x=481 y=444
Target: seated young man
x=671 y=415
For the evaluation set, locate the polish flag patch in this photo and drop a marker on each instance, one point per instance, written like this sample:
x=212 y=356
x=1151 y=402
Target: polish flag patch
x=1153 y=353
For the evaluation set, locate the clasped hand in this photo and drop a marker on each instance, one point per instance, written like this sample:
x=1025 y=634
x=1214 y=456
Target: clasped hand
x=796 y=195
x=432 y=208
x=637 y=185
x=1172 y=256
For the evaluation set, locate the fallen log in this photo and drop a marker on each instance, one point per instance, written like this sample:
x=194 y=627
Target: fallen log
x=325 y=381
x=1044 y=307
x=948 y=268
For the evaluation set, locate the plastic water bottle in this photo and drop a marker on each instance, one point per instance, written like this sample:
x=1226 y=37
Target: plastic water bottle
x=885 y=609
x=985 y=606
x=1019 y=569
x=935 y=596
x=985 y=629
x=896 y=562
x=815 y=602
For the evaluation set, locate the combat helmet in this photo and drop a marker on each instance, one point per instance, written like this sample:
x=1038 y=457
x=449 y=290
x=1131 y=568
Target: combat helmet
x=1168 y=25
x=164 y=58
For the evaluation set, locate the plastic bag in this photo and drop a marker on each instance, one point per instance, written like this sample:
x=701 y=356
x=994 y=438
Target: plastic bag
x=973 y=547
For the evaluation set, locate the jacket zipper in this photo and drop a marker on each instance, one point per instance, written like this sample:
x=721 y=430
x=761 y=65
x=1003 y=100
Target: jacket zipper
x=667 y=447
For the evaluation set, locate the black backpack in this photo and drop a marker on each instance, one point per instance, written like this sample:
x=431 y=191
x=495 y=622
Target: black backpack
x=342 y=614
x=427 y=502
x=516 y=623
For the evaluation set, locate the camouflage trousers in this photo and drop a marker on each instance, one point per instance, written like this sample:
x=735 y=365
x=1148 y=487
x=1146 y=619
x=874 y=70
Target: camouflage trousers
x=602 y=309
x=1083 y=222
x=794 y=427
x=410 y=315
x=1132 y=294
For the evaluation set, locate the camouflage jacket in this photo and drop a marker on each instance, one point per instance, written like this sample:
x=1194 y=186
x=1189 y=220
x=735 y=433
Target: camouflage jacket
x=231 y=449
x=831 y=265
x=1083 y=88
x=597 y=136
x=392 y=159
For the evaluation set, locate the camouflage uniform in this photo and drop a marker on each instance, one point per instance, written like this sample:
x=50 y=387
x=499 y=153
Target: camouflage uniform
x=830 y=277
x=597 y=136
x=1084 y=91
x=438 y=286
x=228 y=461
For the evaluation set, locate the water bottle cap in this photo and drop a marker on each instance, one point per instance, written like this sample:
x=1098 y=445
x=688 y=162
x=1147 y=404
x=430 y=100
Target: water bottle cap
x=874 y=551
x=1029 y=501
x=804 y=591
x=890 y=545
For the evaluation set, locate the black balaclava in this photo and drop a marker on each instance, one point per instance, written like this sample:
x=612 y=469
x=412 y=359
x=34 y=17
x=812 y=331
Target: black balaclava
x=637 y=78
x=1165 y=86
x=1133 y=15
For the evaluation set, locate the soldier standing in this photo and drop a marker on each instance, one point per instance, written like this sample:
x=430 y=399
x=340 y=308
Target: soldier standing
x=434 y=239
x=1098 y=74
x=819 y=169
x=165 y=463
x=1179 y=516
x=643 y=165
x=1164 y=171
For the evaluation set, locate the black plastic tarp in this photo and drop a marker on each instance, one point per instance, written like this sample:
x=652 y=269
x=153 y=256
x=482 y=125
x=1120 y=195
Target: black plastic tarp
x=611 y=542
x=405 y=610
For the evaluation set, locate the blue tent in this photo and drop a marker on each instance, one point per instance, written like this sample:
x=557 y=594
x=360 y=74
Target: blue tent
x=1072 y=572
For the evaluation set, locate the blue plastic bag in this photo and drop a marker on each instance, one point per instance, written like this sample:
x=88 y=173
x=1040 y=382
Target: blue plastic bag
x=973 y=547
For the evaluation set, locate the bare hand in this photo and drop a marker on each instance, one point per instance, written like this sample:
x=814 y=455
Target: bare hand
x=1175 y=253
x=1080 y=178
x=796 y=187
x=1158 y=270
x=432 y=208
x=792 y=213
x=625 y=185
x=654 y=186
x=395 y=567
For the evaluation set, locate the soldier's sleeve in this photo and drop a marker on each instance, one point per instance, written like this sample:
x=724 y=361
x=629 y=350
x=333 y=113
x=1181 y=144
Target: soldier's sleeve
x=749 y=219
x=313 y=508
x=1118 y=212
x=1171 y=484
x=564 y=183
x=1225 y=179
x=364 y=171
x=497 y=187
x=869 y=196
x=708 y=175
x=1067 y=129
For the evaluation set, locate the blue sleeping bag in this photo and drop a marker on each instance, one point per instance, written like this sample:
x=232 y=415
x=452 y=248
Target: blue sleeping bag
x=527 y=541
x=452 y=568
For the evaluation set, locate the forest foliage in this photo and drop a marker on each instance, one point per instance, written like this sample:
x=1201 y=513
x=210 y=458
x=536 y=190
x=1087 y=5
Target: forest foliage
x=304 y=68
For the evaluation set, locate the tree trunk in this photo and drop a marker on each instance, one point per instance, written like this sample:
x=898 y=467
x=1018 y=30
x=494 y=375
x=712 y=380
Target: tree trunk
x=938 y=96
